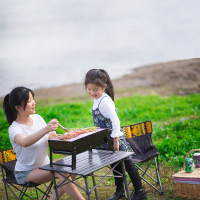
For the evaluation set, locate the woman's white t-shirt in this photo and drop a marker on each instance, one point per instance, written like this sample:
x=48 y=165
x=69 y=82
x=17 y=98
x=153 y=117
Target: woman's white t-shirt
x=107 y=109
x=29 y=158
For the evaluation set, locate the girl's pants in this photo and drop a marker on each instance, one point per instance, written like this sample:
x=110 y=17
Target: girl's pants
x=132 y=172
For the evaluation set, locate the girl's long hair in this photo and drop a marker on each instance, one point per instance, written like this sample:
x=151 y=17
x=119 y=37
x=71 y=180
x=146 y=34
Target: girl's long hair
x=100 y=77
x=18 y=97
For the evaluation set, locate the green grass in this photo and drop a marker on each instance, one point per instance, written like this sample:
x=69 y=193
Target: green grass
x=175 y=119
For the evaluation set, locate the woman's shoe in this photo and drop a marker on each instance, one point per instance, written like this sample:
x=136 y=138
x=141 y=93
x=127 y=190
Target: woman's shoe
x=117 y=195
x=139 y=195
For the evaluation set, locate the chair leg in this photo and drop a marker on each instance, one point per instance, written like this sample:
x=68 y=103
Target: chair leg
x=48 y=190
x=23 y=192
x=5 y=186
x=144 y=171
x=158 y=175
x=155 y=159
x=9 y=187
x=36 y=192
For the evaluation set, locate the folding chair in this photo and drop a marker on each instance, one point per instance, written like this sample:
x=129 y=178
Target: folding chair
x=139 y=136
x=7 y=162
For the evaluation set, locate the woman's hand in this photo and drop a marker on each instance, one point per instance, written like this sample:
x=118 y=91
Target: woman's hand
x=23 y=141
x=52 y=135
x=52 y=125
x=116 y=143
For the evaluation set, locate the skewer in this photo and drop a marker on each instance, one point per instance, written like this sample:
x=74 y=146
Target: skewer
x=65 y=129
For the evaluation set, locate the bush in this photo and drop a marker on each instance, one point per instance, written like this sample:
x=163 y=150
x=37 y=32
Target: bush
x=176 y=139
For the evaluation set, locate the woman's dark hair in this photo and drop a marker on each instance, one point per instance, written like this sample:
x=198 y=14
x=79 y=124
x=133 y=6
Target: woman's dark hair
x=100 y=77
x=18 y=97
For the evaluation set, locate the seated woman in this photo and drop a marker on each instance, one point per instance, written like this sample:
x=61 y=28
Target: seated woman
x=28 y=135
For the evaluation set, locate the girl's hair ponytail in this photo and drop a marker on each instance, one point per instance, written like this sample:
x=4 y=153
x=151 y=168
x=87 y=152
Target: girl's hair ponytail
x=11 y=115
x=100 y=77
x=18 y=97
x=109 y=89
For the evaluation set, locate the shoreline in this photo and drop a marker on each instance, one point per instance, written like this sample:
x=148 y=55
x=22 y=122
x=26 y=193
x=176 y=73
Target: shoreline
x=180 y=77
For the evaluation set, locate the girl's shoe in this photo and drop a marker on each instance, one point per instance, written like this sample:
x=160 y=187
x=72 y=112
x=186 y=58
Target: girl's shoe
x=117 y=195
x=139 y=195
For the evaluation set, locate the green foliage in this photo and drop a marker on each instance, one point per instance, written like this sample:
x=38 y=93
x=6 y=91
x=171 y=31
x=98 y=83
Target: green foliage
x=157 y=109
x=5 y=141
x=173 y=140
x=176 y=139
x=71 y=115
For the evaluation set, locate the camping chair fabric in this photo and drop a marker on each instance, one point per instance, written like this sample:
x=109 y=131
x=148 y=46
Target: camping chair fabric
x=7 y=155
x=9 y=167
x=139 y=137
x=7 y=162
x=142 y=147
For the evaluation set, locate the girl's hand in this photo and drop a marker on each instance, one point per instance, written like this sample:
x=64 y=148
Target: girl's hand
x=116 y=144
x=52 y=125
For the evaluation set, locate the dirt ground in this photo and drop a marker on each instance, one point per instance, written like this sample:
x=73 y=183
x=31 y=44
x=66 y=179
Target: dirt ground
x=179 y=77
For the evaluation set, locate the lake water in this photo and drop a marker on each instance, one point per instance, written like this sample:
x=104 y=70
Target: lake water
x=53 y=43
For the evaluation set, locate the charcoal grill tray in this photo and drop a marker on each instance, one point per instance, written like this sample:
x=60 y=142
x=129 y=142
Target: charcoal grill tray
x=79 y=144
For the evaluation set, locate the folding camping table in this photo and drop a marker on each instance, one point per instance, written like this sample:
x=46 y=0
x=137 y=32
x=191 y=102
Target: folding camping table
x=87 y=163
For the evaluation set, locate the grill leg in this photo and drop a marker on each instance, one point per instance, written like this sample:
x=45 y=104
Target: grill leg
x=51 y=157
x=110 y=143
x=74 y=159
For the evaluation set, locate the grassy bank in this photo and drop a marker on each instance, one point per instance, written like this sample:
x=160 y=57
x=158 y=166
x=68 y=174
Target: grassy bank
x=175 y=121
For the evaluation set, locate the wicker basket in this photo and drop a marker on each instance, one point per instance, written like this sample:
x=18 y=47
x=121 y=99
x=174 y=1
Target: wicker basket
x=188 y=184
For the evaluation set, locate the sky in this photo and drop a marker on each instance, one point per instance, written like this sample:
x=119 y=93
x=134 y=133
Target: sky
x=53 y=43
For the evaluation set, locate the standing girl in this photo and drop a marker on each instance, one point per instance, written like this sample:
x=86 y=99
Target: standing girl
x=100 y=87
x=28 y=135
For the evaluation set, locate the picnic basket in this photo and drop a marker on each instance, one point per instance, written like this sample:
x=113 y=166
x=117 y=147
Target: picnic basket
x=188 y=184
